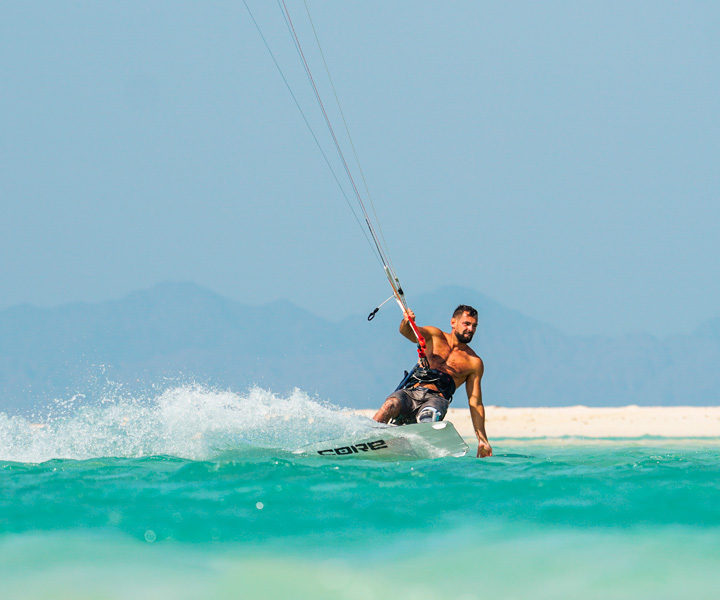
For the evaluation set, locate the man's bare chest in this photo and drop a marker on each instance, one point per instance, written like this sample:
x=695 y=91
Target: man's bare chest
x=452 y=361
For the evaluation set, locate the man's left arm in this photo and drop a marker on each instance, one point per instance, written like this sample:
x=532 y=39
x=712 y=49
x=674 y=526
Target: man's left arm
x=477 y=410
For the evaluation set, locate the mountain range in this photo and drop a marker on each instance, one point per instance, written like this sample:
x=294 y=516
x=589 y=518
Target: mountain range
x=179 y=333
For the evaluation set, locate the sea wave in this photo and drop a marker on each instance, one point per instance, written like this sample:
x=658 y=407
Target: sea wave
x=192 y=422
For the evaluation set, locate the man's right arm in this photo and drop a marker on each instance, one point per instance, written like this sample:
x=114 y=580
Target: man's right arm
x=407 y=331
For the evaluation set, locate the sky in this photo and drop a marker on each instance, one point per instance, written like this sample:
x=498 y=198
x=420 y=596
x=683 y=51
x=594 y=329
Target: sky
x=559 y=157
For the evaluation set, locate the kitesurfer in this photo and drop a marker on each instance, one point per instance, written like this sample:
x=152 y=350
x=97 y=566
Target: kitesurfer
x=425 y=393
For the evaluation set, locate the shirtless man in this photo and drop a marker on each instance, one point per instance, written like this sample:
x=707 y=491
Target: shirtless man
x=426 y=396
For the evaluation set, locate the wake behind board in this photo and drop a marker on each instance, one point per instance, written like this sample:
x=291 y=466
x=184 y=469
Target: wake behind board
x=421 y=440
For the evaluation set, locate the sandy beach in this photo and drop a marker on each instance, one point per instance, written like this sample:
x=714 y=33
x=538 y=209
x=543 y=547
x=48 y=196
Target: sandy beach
x=583 y=421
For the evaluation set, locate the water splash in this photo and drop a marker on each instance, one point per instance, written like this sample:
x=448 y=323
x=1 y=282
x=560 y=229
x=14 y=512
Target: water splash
x=190 y=422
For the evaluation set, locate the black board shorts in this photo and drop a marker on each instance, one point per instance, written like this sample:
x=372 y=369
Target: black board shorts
x=413 y=400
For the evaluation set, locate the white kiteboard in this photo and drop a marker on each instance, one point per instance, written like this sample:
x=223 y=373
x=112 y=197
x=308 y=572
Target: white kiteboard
x=421 y=440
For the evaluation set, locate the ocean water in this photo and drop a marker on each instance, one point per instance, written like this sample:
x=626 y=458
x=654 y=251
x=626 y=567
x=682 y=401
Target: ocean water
x=195 y=493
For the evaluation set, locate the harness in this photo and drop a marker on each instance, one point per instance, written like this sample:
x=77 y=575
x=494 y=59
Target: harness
x=419 y=376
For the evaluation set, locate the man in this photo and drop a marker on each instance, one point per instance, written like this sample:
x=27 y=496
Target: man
x=425 y=394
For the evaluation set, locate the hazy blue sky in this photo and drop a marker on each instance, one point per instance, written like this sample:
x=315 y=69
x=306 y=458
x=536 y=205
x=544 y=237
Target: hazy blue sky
x=561 y=157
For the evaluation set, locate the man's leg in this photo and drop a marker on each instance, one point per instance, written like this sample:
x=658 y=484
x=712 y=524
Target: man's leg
x=389 y=410
x=429 y=414
x=433 y=409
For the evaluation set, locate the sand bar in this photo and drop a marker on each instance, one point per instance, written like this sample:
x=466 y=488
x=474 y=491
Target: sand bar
x=583 y=421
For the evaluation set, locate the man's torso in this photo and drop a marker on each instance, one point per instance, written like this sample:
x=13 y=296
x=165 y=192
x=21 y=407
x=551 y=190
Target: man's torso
x=458 y=362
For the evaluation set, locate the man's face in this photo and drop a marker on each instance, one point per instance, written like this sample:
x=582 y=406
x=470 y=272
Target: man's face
x=464 y=327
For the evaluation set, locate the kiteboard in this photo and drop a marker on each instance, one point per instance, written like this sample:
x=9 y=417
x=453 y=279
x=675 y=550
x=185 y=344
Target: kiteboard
x=420 y=440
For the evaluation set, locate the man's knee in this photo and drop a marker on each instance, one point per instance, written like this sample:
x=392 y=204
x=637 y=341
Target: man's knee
x=393 y=402
x=389 y=410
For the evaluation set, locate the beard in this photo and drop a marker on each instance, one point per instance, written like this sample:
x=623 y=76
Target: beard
x=465 y=338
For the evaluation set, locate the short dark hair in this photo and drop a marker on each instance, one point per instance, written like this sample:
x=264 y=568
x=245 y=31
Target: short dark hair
x=464 y=308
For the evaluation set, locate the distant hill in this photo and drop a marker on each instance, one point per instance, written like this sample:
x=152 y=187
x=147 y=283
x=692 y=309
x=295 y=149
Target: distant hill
x=174 y=333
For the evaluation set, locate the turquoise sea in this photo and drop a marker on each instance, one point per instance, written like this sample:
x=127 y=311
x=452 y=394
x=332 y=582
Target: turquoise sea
x=196 y=494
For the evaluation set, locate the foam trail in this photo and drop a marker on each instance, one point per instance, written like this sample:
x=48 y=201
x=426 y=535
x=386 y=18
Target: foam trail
x=190 y=422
